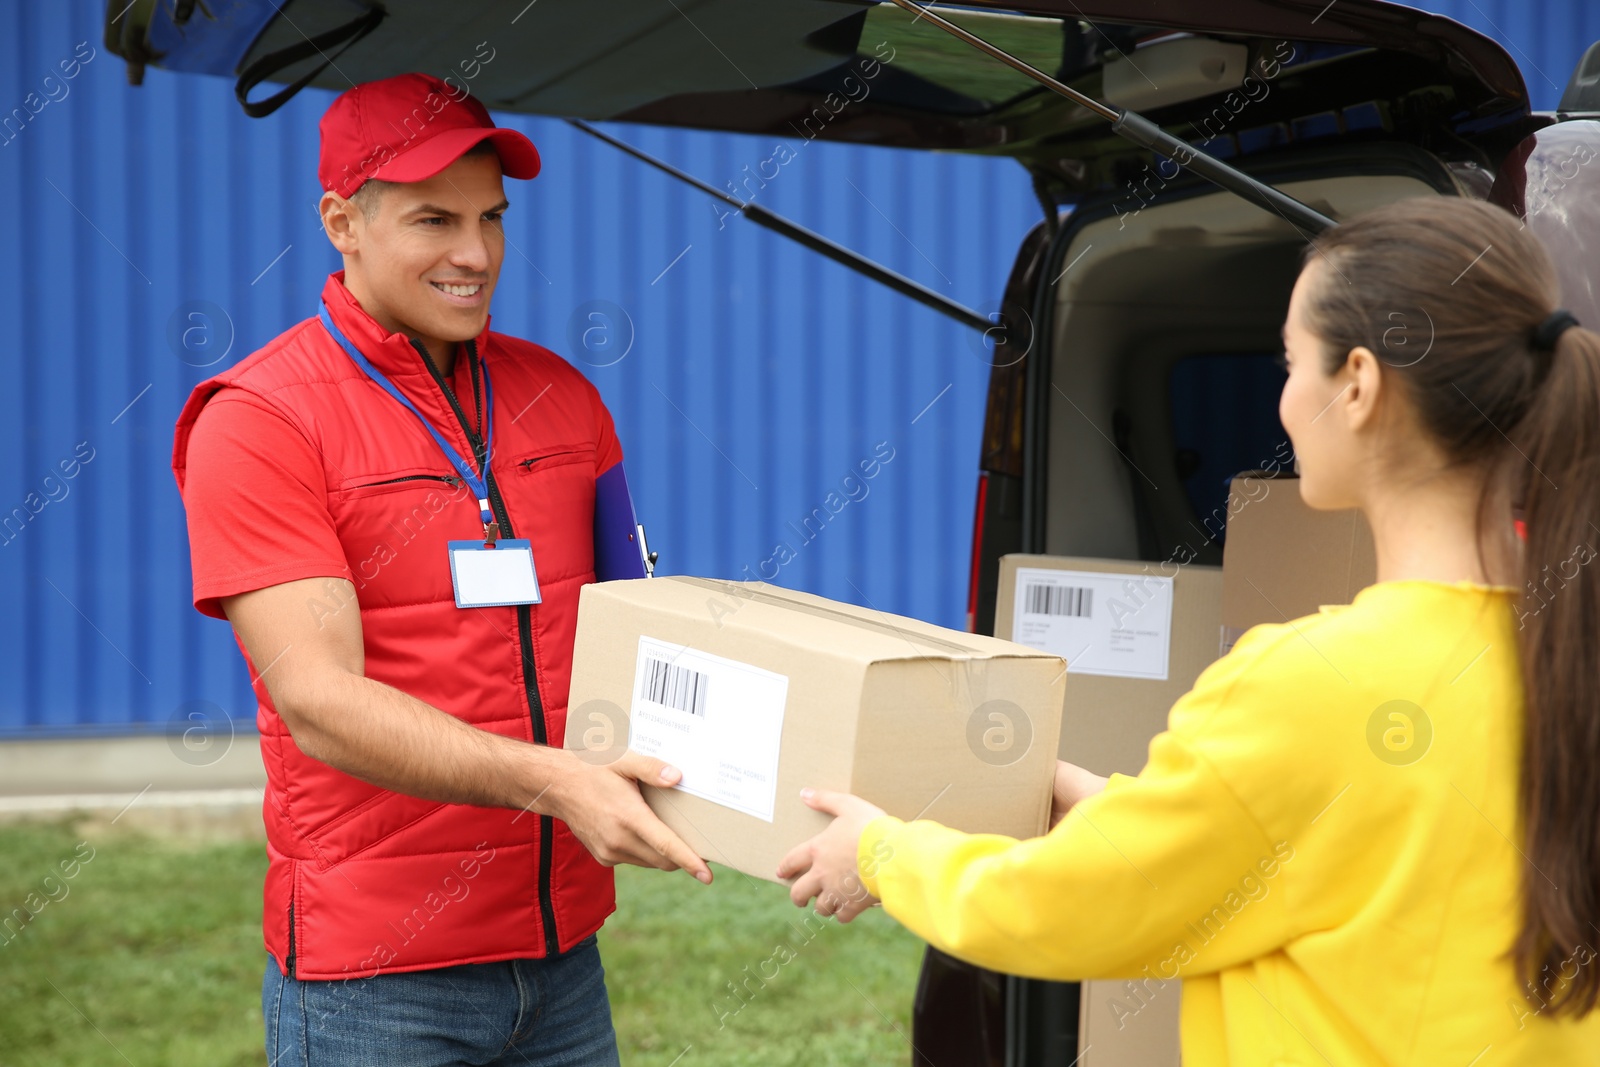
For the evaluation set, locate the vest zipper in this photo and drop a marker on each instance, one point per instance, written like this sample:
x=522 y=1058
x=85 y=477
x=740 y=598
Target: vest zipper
x=289 y=961
x=552 y=943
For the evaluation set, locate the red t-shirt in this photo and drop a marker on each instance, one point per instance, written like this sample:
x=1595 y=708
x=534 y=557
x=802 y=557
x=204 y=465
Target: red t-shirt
x=257 y=503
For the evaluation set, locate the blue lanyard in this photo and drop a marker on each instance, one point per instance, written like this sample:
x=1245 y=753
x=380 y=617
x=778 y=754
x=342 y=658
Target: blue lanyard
x=476 y=480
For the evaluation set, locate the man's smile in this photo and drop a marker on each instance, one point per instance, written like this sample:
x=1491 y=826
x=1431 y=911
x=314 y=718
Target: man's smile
x=460 y=293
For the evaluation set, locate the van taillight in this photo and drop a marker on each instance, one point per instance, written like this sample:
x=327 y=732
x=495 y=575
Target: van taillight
x=977 y=553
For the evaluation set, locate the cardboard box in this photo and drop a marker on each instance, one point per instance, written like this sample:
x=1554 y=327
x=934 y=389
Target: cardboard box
x=755 y=691
x=1135 y=636
x=1283 y=560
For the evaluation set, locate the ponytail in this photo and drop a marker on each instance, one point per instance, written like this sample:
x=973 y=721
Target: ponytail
x=1559 y=637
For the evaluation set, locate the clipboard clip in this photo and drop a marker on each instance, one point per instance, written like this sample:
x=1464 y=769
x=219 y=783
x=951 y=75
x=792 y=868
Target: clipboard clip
x=647 y=557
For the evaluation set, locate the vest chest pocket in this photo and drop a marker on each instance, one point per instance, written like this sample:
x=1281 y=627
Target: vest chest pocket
x=394 y=527
x=550 y=495
x=547 y=459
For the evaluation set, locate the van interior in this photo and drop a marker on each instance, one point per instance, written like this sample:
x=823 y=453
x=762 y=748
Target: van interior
x=1163 y=366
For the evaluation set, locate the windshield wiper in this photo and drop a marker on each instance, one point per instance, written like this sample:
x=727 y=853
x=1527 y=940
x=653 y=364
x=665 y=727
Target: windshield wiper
x=1144 y=133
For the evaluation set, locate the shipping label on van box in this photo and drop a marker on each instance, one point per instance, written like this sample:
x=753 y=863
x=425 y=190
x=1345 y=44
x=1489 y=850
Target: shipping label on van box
x=755 y=692
x=1113 y=624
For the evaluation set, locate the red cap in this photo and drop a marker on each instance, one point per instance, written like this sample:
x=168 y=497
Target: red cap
x=408 y=128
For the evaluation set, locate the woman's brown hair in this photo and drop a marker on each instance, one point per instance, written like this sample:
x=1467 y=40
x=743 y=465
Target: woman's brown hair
x=1456 y=298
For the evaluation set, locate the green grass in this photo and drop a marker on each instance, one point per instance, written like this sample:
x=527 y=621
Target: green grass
x=810 y=990
x=155 y=950
x=154 y=954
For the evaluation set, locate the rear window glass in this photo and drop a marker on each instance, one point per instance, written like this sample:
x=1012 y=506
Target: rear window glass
x=925 y=50
x=1224 y=420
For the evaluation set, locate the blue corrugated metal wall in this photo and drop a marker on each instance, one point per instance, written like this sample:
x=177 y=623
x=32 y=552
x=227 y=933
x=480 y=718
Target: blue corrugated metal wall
x=758 y=374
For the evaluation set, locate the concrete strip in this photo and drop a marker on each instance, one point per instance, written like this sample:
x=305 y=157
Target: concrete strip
x=119 y=802
x=127 y=765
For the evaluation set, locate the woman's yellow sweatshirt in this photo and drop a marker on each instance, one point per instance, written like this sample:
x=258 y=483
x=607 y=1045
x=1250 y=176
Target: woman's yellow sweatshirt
x=1323 y=846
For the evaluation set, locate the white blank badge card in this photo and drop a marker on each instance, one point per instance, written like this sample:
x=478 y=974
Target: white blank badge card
x=1114 y=624
x=717 y=720
x=493 y=577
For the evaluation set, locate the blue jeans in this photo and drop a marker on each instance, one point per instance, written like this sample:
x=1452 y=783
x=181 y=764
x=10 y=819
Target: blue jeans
x=520 y=1013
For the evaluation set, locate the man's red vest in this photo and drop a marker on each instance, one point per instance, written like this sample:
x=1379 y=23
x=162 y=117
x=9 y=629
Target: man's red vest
x=362 y=880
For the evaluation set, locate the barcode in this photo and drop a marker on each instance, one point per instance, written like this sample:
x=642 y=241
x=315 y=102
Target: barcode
x=1059 y=600
x=675 y=687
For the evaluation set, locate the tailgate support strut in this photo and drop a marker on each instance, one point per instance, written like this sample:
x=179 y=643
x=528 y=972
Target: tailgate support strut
x=809 y=238
x=1146 y=134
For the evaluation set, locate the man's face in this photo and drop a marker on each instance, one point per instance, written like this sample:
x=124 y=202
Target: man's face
x=427 y=261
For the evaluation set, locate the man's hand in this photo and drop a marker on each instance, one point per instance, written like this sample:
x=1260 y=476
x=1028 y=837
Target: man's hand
x=603 y=808
x=825 y=866
x=1072 y=784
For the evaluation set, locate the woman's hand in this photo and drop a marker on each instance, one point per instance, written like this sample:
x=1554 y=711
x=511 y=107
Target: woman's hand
x=1072 y=784
x=825 y=866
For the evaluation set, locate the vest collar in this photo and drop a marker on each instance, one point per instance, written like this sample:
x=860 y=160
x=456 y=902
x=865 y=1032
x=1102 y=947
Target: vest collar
x=393 y=353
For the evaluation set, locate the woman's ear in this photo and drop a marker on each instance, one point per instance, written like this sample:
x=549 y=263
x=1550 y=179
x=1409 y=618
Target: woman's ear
x=1363 y=387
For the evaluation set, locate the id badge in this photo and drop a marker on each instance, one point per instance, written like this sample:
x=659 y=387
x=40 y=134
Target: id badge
x=495 y=577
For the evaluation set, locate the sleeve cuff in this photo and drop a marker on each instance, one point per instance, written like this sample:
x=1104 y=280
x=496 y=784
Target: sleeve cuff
x=874 y=849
